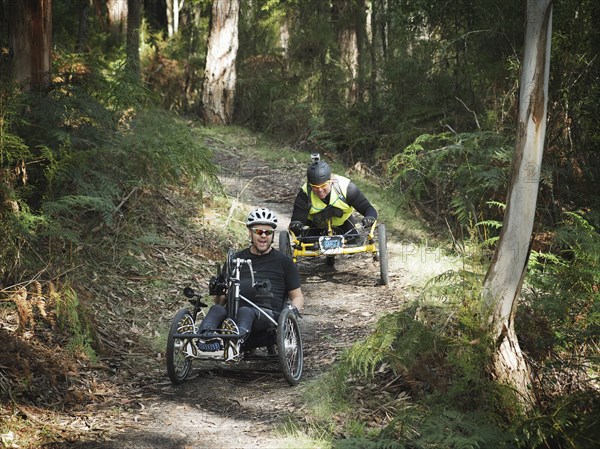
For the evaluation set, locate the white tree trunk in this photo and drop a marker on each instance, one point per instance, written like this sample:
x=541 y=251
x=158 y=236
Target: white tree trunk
x=117 y=16
x=173 y=10
x=220 y=72
x=349 y=61
x=502 y=285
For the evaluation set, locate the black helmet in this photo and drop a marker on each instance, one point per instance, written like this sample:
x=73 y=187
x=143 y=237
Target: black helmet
x=318 y=172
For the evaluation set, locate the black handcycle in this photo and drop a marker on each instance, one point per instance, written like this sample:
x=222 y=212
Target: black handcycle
x=283 y=339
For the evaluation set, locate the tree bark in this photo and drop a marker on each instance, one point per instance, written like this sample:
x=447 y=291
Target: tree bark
x=173 y=9
x=134 y=14
x=347 y=15
x=31 y=42
x=502 y=285
x=220 y=72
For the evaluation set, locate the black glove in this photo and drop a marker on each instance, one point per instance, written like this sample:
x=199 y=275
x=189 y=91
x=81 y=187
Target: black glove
x=367 y=222
x=296 y=227
x=217 y=285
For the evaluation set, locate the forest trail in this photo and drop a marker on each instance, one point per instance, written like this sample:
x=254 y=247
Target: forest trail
x=243 y=406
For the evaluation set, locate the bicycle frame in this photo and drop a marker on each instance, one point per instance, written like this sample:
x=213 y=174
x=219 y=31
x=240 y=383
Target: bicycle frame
x=312 y=246
x=233 y=298
x=284 y=344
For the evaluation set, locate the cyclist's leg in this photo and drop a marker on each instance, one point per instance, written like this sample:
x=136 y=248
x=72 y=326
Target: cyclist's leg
x=262 y=323
x=249 y=319
x=245 y=318
x=214 y=317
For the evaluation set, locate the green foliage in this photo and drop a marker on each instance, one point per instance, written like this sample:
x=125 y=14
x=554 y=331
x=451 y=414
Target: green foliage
x=74 y=160
x=445 y=428
x=172 y=67
x=441 y=348
x=159 y=150
x=564 y=297
x=558 y=325
x=18 y=223
x=71 y=317
x=452 y=175
x=573 y=422
x=363 y=443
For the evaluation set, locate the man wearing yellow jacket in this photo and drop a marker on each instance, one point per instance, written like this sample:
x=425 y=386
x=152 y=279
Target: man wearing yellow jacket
x=327 y=195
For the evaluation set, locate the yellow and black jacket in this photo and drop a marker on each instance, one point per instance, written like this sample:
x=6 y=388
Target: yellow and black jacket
x=345 y=197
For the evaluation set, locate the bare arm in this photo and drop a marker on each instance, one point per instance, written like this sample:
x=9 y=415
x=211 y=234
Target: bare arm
x=297 y=298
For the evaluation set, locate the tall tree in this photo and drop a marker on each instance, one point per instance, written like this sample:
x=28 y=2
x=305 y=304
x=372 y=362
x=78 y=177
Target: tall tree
x=30 y=42
x=350 y=19
x=117 y=16
x=134 y=14
x=220 y=71
x=173 y=9
x=502 y=285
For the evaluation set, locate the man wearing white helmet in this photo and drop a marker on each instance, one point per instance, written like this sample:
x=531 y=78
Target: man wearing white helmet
x=270 y=266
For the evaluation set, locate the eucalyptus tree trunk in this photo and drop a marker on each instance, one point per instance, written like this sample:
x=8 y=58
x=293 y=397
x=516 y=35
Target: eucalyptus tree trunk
x=173 y=9
x=134 y=14
x=502 y=285
x=220 y=72
x=346 y=14
x=284 y=36
x=117 y=16
x=31 y=42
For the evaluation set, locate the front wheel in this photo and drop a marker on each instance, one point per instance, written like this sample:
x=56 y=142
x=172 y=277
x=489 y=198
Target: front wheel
x=179 y=364
x=285 y=245
x=289 y=346
x=382 y=253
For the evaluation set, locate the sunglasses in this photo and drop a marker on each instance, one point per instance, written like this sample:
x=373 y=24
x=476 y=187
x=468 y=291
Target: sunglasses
x=319 y=186
x=266 y=232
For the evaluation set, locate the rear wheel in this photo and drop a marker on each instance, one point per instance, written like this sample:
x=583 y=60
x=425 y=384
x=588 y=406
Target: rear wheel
x=289 y=346
x=179 y=364
x=382 y=253
x=285 y=245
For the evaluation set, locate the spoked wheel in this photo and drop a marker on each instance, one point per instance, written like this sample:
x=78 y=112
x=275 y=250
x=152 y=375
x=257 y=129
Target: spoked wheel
x=179 y=364
x=289 y=346
x=285 y=245
x=382 y=253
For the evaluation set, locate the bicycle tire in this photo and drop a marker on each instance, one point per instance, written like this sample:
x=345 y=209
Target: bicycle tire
x=285 y=245
x=382 y=254
x=289 y=346
x=178 y=364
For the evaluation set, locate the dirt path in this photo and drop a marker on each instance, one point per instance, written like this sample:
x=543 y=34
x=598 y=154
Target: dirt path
x=242 y=406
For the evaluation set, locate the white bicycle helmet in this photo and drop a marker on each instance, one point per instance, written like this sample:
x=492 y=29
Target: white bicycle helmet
x=262 y=216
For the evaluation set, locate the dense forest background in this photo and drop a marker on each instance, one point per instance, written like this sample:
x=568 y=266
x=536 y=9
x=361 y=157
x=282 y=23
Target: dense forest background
x=421 y=95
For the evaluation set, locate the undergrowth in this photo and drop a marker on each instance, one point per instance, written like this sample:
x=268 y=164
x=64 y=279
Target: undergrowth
x=421 y=379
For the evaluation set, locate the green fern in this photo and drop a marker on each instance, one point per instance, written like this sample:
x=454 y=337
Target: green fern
x=452 y=174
